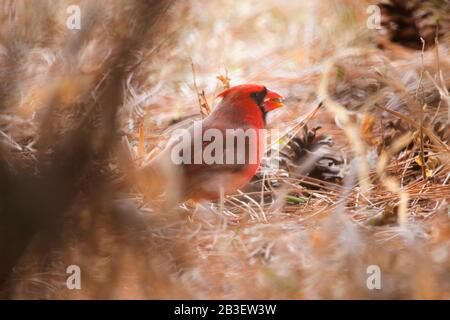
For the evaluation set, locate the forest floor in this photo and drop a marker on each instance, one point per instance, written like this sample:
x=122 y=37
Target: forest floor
x=362 y=186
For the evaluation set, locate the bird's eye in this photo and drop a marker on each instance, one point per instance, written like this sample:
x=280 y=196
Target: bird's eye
x=259 y=96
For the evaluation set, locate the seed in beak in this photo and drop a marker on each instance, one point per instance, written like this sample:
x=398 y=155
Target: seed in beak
x=274 y=103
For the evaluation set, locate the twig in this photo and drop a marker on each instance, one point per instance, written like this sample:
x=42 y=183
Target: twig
x=204 y=107
x=421 y=105
x=427 y=131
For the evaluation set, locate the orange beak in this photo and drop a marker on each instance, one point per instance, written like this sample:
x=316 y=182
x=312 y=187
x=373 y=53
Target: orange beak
x=273 y=100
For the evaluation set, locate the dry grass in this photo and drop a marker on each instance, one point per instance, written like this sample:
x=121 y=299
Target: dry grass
x=297 y=232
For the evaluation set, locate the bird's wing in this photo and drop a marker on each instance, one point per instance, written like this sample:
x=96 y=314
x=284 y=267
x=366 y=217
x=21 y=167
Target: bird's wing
x=221 y=163
x=164 y=173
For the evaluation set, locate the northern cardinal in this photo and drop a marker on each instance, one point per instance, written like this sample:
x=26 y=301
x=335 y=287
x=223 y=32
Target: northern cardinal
x=242 y=107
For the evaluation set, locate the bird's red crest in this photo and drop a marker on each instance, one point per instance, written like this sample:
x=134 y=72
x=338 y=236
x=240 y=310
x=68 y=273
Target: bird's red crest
x=242 y=88
x=267 y=99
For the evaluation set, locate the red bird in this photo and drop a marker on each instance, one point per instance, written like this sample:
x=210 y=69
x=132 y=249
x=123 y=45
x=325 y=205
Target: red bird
x=230 y=165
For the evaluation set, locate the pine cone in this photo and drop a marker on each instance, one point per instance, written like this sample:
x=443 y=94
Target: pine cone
x=309 y=153
x=405 y=22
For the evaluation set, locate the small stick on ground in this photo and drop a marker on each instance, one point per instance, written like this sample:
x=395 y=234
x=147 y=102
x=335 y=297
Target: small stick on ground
x=421 y=105
x=204 y=107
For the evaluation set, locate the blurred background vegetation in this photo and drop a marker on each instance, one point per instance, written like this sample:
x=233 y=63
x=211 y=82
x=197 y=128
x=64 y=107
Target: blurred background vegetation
x=363 y=182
